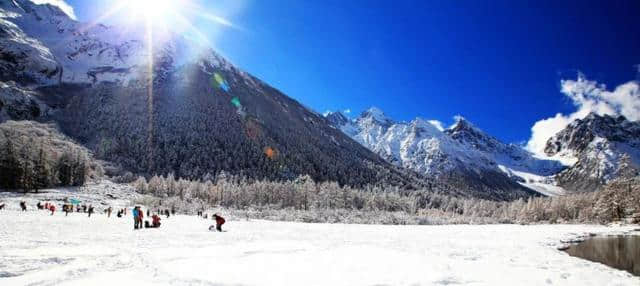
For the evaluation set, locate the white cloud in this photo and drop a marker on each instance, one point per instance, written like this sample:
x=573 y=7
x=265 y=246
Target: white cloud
x=437 y=124
x=346 y=111
x=66 y=8
x=588 y=96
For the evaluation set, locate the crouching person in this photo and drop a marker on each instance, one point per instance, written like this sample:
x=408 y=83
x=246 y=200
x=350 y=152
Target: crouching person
x=219 y=222
x=155 y=220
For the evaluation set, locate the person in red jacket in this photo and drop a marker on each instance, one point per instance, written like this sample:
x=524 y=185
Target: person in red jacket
x=219 y=222
x=155 y=220
x=52 y=208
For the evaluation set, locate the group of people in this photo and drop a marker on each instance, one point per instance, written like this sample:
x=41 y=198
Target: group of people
x=138 y=217
x=66 y=208
x=46 y=206
x=138 y=214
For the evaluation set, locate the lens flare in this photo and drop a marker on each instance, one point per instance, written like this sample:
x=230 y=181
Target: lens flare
x=270 y=153
x=236 y=102
x=220 y=82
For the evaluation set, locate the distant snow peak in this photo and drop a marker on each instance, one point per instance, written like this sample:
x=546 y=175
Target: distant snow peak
x=376 y=115
x=425 y=147
x=57 y=4
x=461 y=123
x=336 y=118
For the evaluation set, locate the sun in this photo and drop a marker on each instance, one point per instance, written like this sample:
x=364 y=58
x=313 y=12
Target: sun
x=153 y=10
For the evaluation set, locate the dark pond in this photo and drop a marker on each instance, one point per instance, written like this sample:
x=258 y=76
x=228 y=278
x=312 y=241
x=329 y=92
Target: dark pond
x=621 y=252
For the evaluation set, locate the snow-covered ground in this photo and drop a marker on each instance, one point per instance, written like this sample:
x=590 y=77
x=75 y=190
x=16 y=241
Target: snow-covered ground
x=39 y=249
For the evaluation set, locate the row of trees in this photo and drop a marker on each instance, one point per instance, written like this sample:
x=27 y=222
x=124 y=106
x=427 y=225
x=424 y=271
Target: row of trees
x=34 y=156
x=297 y=198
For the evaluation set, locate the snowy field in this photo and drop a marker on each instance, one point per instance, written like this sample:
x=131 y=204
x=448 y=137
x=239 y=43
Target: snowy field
x=38 y=249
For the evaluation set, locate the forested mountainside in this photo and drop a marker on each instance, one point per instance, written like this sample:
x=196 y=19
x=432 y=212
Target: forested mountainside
x=193 y=114
x=36 y=156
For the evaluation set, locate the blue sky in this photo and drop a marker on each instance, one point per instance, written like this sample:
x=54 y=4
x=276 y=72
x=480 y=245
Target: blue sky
x=497 y=63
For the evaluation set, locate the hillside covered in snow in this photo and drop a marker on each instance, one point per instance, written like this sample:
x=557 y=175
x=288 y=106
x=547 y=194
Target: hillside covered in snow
x=460 y=153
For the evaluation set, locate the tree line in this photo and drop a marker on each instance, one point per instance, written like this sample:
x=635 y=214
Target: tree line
x=329 y=202
x=35 y=156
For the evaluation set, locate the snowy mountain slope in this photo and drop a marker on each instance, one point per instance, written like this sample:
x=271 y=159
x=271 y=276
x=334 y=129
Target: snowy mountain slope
x=517 y=163
x=510 y=155
x=199 y=115
x=420 y=146
x=63 y=50
x=19 y=104
x=604 y=148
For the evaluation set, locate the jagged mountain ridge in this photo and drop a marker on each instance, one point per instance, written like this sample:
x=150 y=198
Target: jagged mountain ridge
x=604 y=148
x=462 y=155
x=95 y=82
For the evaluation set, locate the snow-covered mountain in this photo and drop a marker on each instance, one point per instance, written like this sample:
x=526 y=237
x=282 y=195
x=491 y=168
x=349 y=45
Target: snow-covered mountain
x=48 y=47
x=603 y=148
x=463 y=154
x=517 y=163
x=198 y=115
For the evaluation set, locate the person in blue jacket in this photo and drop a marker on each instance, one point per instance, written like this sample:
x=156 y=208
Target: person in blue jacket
x=136 y=218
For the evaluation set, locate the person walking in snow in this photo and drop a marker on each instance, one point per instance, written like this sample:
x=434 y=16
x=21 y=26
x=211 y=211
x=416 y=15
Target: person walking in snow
x=219 y=222
x=39 y=205
x=90 y=210
x=52 y=208
x=23 y=206
x=109 y=212
x=148 y=213
x=1 y=206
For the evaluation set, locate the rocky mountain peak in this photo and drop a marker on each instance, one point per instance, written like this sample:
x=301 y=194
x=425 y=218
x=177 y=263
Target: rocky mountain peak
x=602 y=146
x=336 y=118
x=579 y=134
x=375 y=115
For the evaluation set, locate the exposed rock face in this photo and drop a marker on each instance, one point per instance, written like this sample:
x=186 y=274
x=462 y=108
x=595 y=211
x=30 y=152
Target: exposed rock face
x=604 y=147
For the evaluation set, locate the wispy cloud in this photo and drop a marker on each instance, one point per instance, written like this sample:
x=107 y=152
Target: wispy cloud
x=66 y=8
x=347 y=111
x=437 y=124
x=587 y=96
